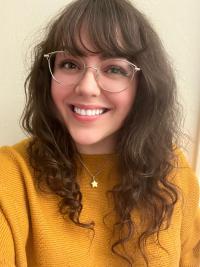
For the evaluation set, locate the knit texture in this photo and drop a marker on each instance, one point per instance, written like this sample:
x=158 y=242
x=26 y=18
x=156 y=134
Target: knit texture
x=34 y=233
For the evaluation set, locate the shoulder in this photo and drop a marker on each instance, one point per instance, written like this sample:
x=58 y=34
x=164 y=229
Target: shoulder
x=184 y=174
x=14 y=166
x=184 y=177
x=17 y=153
x=19 y=148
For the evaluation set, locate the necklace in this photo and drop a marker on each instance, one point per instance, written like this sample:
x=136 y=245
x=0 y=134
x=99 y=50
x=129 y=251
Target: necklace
x=94 y=183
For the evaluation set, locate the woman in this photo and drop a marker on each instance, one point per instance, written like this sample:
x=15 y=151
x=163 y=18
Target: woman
x=100 y=181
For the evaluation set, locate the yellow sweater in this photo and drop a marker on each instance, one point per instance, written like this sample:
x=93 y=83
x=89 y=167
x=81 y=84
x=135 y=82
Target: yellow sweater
x=33 y=233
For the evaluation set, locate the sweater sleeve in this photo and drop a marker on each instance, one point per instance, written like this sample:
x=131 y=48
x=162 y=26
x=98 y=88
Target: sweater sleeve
x=190 y=229
x=7 y=253
x=13 y=213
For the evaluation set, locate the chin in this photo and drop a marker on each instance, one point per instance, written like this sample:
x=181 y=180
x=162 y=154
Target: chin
x=86 y=137
x=86 y=142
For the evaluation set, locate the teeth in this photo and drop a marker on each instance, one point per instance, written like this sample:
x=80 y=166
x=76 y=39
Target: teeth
x=88 y=112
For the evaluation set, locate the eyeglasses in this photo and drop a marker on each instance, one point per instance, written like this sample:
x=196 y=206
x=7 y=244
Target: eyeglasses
x=112 y=75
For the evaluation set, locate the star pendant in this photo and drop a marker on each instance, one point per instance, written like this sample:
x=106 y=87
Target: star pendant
x=94 y=184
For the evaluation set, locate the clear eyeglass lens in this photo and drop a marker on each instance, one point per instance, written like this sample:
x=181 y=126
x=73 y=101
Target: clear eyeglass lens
x=66 y=69
x=115 y=75
x=112 y=75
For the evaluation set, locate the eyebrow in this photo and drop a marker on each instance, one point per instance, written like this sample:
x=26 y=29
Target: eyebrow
x=102 y=55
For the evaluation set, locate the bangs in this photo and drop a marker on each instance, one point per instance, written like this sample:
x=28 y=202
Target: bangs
x=110 y=27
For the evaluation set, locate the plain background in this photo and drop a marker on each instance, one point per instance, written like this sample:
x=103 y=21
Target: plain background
x=177 y=23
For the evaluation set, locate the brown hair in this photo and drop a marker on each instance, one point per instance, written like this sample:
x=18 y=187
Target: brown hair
x=144 y=162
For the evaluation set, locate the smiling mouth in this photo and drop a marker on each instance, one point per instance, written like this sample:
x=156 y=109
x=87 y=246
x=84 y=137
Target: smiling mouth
x=89 y=112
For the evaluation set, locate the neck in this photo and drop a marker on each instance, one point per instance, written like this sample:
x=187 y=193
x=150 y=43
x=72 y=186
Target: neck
x=97 y=149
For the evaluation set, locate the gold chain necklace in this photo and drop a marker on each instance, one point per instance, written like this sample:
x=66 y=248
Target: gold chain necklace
x=94 y=183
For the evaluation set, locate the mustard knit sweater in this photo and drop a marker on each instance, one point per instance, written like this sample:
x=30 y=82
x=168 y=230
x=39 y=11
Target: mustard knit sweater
x=34 y=233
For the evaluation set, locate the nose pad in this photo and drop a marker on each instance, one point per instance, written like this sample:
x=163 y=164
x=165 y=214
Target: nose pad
x=96 y=71
x=85 y=73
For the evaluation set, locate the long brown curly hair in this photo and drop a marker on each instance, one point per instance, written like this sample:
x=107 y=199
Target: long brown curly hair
x=145 y=142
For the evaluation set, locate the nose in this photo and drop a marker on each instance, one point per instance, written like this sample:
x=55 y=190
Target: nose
x=88 y=84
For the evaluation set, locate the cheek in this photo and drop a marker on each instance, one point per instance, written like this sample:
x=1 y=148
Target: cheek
x=54 y=91
x=56 y=103
x=58 y=94
x=130 y=95
x=125 y=100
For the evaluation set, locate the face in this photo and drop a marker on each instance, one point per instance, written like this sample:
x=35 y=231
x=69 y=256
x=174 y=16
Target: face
x=97 y=133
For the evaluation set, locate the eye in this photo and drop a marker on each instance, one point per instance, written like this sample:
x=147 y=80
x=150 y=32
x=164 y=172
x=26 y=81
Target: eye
x=115 y=70
x=69 y=65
